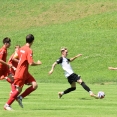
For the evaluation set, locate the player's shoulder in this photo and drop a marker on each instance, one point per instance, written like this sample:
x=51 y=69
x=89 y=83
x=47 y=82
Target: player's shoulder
x=59 y=60
x=3 y=50
x=26 y=48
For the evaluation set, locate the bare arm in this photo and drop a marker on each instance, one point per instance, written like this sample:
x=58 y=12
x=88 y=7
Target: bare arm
x=71 y=59
x=53 y=66
x=3 y=62
x=112 y=68
x=16 y=60
x=36 y=63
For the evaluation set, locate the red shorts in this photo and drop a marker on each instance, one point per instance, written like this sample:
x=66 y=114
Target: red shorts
x=20 y=82
x=4 y=72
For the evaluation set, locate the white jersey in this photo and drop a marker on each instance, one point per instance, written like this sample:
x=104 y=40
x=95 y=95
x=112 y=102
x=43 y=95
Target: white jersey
x=65 y=63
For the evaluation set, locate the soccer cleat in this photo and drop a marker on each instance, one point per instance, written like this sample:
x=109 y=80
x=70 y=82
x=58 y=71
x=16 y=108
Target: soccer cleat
x=60 y=95
x=19 y=100
x=7 y=107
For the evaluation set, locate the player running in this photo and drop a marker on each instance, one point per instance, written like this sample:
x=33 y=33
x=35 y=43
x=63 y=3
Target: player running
x=22 y=76
x=69 y=74
x=4 y=67
x=14 y=62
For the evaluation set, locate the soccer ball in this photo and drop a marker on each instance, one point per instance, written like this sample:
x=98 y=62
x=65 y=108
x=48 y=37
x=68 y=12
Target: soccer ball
x=101 y=94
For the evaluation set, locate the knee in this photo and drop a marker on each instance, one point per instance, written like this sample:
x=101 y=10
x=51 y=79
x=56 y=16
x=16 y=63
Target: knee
x=35 y=85
x=73 y=88
x=82 y=83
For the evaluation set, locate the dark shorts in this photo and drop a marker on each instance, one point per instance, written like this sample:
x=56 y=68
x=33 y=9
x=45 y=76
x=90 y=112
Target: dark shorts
x=73 y=78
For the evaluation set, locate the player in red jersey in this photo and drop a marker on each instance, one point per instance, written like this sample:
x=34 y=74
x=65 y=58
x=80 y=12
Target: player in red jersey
x=14 y=62
x=4 y=67
x=22 y=76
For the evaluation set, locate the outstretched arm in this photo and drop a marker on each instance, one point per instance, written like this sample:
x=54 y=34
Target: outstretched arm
x=36 y=63
x=3 y=62
x=52 y=69
x=71 y=59
x=112 y=68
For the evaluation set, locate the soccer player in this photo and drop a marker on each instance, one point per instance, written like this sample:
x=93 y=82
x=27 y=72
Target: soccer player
x=14 y=62
x=69 y=74
x=22 y=76
x=4 y=66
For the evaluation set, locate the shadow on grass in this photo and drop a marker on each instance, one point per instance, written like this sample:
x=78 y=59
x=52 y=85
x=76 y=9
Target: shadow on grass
x=51 y=109
x=85 y=99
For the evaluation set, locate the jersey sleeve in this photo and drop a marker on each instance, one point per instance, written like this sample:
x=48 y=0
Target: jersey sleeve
x=2 y=53
x=68 y=60
x=30 y=56
x=59 y=60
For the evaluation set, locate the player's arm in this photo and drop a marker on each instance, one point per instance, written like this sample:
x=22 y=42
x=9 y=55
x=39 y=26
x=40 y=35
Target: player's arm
x=71 y=59
x=112 y=68
x=15 y=57
x=35 y=63
x=16 y=60
x=3 y=62
x=52 y=69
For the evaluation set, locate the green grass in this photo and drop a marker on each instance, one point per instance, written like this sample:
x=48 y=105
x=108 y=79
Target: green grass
x=86 y=27
x=45 y=103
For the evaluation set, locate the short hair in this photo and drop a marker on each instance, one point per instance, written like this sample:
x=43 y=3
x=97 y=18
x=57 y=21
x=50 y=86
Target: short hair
x=6 y=40
x=63 y=49
x=29 y=38
x=17 y=46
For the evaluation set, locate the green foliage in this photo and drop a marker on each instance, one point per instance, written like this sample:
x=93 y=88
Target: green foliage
x=86 y=27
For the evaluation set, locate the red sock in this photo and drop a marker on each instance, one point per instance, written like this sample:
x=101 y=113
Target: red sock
x=13 y=97
x=13 y=87
x=27 y=91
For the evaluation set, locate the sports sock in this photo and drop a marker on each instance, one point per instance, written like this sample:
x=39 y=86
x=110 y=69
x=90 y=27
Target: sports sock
x=85 y=87
x=12 y=87
x=69 y=90
x=13 y=97
x=27 y=91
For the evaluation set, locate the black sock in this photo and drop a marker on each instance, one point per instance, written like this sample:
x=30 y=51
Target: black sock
x=69 y=90
x=85 y=87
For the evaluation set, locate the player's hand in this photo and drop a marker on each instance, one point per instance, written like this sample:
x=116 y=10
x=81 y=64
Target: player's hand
x=110 y=68
x=50 y=72
x=10 y=66
x=39 y=62
x=14 y=68
x=79 y=55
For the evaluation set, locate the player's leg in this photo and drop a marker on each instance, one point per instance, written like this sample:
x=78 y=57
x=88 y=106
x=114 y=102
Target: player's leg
x=18 y=84
x=30 y=89
x=5 y=74
x=12 y=98
x=30 y=81
x=86 y=88
x=72 y=88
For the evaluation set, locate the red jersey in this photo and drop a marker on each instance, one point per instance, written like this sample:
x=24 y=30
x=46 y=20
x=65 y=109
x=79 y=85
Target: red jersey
x=4 y=69
x=25 y=58
x=3 y=56
x=14 y=63
x=10 y=61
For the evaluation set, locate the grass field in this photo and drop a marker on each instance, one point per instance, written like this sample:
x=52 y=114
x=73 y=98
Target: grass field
x=45 y=103
x=88 y=27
